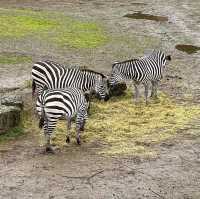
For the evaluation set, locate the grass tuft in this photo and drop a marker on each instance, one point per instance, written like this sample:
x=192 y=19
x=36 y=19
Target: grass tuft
x=12 y=134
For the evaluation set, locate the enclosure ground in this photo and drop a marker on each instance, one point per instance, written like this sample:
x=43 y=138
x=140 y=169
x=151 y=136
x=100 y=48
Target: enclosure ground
x=79 y=171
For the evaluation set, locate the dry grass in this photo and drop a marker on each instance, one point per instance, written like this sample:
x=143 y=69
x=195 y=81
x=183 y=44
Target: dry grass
x=133 y=130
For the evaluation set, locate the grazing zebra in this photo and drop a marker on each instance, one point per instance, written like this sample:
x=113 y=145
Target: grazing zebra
x=51 y=75
x=54 y=104
x=143 y=70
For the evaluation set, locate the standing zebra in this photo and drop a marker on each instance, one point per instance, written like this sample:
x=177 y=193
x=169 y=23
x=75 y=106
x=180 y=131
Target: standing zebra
x=51 y=75
x=143 y=70
x=54 y=104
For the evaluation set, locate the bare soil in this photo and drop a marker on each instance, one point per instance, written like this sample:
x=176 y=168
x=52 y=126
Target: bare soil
x=77 y=171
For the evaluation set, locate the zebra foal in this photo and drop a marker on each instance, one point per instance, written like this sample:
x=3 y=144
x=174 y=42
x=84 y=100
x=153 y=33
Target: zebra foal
x=144 y=70
x=54 y=104
x=51 y=75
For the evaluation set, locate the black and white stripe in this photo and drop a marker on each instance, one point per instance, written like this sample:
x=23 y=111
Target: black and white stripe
x=54 y=104
x=144 y=70
x=51 y=75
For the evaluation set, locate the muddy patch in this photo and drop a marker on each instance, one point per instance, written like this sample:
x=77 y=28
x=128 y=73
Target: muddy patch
x=138 y=4
x=140 y=15
x=189 y=49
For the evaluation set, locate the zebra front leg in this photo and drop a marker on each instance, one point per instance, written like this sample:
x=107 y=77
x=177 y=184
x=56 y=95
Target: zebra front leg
x=146 y=89
x=136 y=93
x=154 y=89
x=68 y=130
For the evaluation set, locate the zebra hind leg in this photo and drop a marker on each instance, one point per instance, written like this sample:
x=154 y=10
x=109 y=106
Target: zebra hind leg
x=48 y=148
x=48 y=129
x=68 y=130
x=78 y=135
x=78 y=139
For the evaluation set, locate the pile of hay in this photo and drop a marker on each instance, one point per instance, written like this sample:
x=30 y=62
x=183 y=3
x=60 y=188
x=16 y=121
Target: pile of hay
x=128 y=129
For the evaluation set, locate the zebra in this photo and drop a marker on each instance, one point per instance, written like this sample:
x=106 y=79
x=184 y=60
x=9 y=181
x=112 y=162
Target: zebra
x=53 y=104
x=144 y=70
x=51 y=75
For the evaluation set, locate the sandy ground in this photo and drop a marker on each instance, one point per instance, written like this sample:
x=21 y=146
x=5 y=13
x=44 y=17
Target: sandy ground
x=78 y=172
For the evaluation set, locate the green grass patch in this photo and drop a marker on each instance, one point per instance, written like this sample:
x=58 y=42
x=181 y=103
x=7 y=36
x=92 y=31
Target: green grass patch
x=50 y=27
x=14 y=58
x=12 y=134
x=133 y=130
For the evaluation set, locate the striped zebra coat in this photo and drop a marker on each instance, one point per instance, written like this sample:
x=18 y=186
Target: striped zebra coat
x=51 y=105
x=51 y=75
x=143 y=70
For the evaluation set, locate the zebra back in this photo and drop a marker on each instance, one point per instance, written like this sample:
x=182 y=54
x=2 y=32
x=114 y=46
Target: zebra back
x=53 y=75
x=140 y=70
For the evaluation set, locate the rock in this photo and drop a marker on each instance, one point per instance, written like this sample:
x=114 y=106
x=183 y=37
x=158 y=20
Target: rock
x=118 y=89
x=10 y=117
x=12 y=100
x=11 y=106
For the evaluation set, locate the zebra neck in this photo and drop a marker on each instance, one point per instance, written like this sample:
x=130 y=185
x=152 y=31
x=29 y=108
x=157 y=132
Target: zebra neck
x=87 y=81
x=127 y=71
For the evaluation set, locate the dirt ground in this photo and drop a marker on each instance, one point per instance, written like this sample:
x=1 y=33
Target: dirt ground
x=77 y=171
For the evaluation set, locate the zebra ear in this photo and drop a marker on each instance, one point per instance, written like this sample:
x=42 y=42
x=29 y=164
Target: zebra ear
x=114 y=64
x=168 y=57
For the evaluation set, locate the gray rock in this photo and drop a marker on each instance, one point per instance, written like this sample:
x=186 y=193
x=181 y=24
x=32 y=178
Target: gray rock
x=12 y=100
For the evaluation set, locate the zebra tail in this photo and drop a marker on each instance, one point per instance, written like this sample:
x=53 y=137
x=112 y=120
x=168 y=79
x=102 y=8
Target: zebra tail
x=41 y=122
x=33 y=87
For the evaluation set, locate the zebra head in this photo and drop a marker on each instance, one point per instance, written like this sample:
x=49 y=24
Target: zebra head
x=162 y=57
x=116 y=76
x=101 y=87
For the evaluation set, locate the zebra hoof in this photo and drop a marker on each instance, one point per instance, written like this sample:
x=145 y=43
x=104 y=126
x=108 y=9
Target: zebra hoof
x=68 y=140
x=49 y=150
x=82 y=129
x=78 y=141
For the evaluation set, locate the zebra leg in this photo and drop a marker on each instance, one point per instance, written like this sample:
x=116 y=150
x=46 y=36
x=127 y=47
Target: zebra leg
x=68 y=130
x=48 y=129
x=136 y=93
x=82 y=128
x=78 y=128
x=146 y=89
x=154 y=89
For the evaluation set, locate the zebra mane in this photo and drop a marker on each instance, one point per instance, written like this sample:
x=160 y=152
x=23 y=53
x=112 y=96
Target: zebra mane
x=94 y=72
x=122 y=62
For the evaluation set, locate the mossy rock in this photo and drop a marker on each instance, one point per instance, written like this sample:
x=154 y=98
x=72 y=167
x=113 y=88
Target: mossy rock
x=10 y=117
